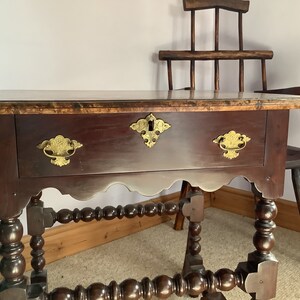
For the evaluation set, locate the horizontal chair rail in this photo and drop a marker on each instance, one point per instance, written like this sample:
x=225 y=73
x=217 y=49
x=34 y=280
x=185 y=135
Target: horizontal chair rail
x=214 y=55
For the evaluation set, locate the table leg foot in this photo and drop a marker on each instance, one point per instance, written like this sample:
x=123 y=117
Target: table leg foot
x=260 y=271
x=14 y=294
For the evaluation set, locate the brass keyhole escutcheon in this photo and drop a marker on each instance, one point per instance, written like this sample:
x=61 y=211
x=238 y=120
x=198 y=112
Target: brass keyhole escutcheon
x=150 y=129
x=150 y=125
x=59 y=149
x=231 y=143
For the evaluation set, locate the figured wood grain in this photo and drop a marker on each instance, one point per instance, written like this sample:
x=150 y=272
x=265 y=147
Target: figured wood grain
x=97 y=102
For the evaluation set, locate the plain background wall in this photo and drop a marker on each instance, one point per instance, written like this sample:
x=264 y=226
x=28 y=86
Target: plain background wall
x=113 y=45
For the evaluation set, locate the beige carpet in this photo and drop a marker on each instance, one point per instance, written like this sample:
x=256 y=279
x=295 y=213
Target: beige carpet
x=226 y=240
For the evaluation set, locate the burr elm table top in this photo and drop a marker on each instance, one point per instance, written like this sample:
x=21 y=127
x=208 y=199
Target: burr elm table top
x=82 y=102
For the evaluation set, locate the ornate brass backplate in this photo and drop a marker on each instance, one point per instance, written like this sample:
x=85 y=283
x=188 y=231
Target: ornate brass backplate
x=150 y=129
x=59 y=149
x=231 y=143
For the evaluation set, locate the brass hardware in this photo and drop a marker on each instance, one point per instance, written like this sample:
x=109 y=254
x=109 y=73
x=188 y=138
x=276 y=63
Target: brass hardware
x=59 y=149
x=231 y=143
x=150 y=128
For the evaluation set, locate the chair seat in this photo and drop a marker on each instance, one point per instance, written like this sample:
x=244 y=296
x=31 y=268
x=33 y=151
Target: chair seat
x=214 y=55
x=292 y=158
x=295 y=90
x=237 y=5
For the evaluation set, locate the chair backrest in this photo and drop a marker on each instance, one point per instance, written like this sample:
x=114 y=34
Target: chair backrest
x=238 y=6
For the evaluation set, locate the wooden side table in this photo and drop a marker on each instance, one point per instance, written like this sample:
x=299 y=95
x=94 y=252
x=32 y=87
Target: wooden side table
x=83 y=141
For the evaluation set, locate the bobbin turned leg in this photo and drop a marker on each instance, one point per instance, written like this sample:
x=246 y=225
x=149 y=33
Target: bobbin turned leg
x=38 y=218
x=260 y=271
x=194 y=210
x=36 y=228
x=193 y=262
x=12 y=265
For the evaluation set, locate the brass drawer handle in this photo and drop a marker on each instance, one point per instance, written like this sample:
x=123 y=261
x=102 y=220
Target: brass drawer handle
x=231 y=143
x=59 y=149
x=150 y=129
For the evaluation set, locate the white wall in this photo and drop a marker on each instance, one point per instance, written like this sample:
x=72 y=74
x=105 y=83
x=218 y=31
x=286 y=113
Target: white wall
x=113 y=45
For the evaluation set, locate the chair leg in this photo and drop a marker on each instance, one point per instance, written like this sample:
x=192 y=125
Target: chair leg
x=296 y=184
x=179 y=220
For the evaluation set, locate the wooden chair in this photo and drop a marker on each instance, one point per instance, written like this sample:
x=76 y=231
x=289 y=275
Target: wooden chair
x=192 y=55
x=216 y=55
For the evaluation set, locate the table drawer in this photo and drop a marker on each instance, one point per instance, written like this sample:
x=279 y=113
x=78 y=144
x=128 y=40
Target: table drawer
x=109 y=145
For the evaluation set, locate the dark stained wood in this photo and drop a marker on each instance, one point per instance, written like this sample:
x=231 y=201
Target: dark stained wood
x=233 y=5
x=277 y=128
x=111 y=146
x=170 y=79
x=161 y=287
x=97 y=102
x=193 y=41
x=85 y=186
x=262 y=266
x=217 y=31
x=241 y=48
x=9 y=167
x=293 y=163
x=179 y=221
x=293 y=153
x=296 y=183
x=285 y=91
x=129 y=211
x=217 y=54
x=264 y=74
x=36 y=228
x=263 y=239
x=214 y=55
x=194 y=210
x=213 y=296
x=113 y=153
x=12 y=260
x=259 y=280
x=193 y=31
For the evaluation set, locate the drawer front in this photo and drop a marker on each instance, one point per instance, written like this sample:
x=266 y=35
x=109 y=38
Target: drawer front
x=109 y=145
